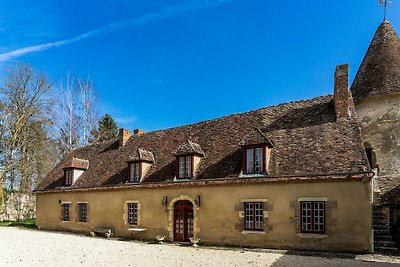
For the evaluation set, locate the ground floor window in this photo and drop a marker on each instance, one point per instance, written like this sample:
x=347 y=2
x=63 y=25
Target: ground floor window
x=133 y=213
x=312 y=217
x=82 y=212
x=65 y=211
x=253 y=219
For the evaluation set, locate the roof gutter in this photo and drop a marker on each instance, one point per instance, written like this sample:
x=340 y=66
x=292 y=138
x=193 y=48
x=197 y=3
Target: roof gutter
x=364 y=176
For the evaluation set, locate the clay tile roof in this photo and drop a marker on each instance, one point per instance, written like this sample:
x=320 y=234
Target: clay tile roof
x=379 y=72
x=307 y=140
x=141 y=155
x=77 y=163
x=189 y=147
x=256 y=137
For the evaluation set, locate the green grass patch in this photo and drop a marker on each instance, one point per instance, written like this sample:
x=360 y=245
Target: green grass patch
x=29 y=223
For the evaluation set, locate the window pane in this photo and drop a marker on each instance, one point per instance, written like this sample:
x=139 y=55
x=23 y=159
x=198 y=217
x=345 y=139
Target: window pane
x=313 y=216
x=306 y=216
x=259 y=222
x=68 y=177
x=249 y=220
x=132 y=172
x=65 y=212
x=137 y=172
x=82 y=209
x=259 y=160
x=188 y=167
x=253 y=217
x=132 y=213
x=181 y=167
x=250 y=160
x=319 y=217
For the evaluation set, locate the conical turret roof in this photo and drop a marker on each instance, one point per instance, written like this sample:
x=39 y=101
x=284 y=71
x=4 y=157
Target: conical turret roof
x=379 y=72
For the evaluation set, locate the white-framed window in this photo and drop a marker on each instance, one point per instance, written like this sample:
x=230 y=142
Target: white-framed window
x=185 y=169
x=133 y=213
x=82 y=212
x=313 y=217
x=254 y=160
x=65 y=212
x=254 y=216
x=135 y=172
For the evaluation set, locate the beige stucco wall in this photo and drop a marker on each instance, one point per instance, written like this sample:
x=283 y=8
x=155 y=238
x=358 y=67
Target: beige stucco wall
x=350 y=224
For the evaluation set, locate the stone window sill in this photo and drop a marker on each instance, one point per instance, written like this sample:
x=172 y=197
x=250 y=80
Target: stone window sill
x=247 y=232
x=312 y=236
x=65 y=221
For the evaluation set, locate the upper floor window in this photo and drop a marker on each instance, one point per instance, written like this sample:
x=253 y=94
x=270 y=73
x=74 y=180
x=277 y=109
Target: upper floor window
x=253 y=216
x=254 y=160
x=135 y=172
x=69 y=176
x=185 y=167
x=313 y=217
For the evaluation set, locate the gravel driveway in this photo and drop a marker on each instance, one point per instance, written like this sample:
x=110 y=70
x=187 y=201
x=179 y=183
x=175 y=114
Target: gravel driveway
x=19 y=247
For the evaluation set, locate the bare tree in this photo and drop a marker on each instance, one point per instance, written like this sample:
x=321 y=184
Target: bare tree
x=89 y=114
x=67 y=114
x=25 y=107
x=77 y=112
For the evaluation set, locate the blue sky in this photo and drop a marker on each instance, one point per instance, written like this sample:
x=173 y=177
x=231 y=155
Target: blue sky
x=158 y=63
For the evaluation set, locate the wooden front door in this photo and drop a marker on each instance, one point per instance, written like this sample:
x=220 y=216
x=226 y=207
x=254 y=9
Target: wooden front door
x=183 y=220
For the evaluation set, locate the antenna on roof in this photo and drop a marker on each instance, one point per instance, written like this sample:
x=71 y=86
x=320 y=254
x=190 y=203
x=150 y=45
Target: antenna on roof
x=384 y=3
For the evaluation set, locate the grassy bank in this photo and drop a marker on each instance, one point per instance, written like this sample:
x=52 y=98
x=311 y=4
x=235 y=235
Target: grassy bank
x=29 y=223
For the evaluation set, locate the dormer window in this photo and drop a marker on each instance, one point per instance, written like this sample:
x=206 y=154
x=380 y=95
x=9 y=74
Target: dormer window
x=254 y=160
x=139 y=163
x=256 y=149
x=135 y=172
x=74 y=168
x=185 y=168
x=69 y=176
x=188 y=156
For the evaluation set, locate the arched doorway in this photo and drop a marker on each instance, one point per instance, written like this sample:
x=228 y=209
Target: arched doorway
x=183 y=220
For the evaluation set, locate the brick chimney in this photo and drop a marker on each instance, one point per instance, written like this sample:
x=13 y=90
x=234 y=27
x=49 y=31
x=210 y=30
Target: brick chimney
x=124 y=135
x=341 y=92
x=138 y=132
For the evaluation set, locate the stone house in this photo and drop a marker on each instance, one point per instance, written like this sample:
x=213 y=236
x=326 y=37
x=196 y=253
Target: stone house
x=317 y=174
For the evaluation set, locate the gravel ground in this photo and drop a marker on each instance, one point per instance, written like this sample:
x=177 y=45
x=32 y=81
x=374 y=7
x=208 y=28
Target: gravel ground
x=19 y=247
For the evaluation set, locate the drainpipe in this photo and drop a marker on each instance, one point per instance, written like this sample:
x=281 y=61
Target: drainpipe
x=372 y=207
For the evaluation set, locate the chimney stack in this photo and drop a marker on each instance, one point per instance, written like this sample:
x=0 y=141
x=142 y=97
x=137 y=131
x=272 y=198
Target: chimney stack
x=341 y=92
x=138 y=132
x=124 y=135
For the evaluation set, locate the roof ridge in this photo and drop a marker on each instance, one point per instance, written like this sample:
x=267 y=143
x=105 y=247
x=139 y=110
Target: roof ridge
x=239 y=113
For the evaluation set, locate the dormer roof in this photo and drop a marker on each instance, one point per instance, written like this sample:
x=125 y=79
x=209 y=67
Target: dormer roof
x=256 y=137
x=77 y=163
x=141 y=155
x=379 y=72
x=189 y=147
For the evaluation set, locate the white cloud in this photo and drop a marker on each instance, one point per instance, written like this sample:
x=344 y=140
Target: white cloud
x=191 y=5
x=126 y=120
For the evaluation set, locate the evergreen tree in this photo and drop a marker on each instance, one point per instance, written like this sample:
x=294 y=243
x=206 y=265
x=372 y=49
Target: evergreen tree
x=107 y=129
